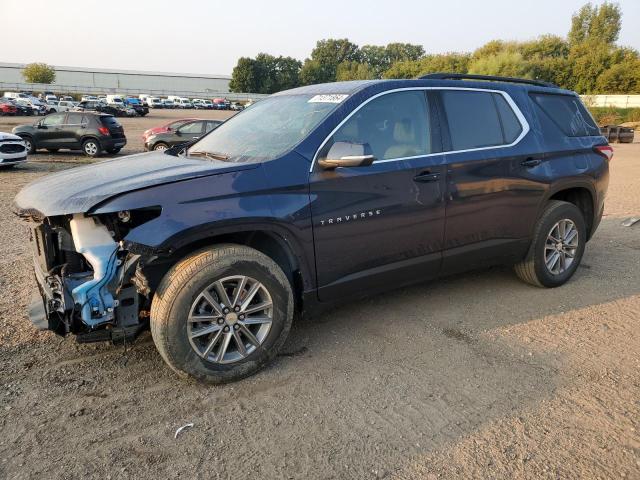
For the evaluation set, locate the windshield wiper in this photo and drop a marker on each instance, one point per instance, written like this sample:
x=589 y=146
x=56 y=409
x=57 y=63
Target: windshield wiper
x=211 y=155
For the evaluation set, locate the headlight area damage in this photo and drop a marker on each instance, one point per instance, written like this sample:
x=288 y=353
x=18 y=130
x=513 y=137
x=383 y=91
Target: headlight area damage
x=85 y=275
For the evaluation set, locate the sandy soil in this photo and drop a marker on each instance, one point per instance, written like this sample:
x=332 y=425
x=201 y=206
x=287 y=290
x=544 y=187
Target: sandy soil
x=475 y=376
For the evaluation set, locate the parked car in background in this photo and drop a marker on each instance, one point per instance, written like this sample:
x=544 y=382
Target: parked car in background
x=198 y=104
x=92 y=133
x=617 y=133
x=166 y=103
x=12 y=150
x=166 y=128
x=187 y=132
x=61 y=106
x=50 y=98
x=184 y=103
x=67 y=98
x=15 y=95
x=91 y=106
x=140 y=108
x=7 y=107
x=36 y=105
x=89 y=98
x=154 y=102
x=21 y=110
x=221 y=103
x=236 y=106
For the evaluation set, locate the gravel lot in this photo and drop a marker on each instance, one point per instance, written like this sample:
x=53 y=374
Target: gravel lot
x=475 y=376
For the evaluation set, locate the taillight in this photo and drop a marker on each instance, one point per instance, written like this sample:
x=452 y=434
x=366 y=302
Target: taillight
x=605 y=150
x=103 y=130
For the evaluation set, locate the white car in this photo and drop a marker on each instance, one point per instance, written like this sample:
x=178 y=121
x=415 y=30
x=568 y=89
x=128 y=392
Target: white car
x=61 y=106
x=89 y=98
x=12 y=150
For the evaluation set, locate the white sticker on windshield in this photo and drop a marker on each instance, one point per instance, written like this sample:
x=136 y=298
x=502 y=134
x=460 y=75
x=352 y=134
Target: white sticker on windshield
x=332 y=98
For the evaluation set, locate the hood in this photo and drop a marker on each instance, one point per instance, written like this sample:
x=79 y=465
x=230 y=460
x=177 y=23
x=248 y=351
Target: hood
x=77 y=190
x=4 y=137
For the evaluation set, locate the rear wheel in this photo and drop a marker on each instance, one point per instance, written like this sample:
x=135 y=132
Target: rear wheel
x=91 y=147
x=222 y=313
x=557 y=247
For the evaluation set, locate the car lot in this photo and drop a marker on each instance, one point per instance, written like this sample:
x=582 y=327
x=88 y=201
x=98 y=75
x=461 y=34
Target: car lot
x=475 y=376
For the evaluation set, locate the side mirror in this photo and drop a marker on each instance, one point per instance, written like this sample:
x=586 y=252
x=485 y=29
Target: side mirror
x=178 y=132
x=40 y=125
x=346 y=154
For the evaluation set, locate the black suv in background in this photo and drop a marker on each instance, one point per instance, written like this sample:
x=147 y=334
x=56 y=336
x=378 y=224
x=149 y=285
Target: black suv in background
x=92 y=133
x=316 y=195
x=92 y=106
x=188 y=132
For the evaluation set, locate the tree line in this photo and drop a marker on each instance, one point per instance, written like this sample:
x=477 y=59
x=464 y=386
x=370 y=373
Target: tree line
x=588 y=60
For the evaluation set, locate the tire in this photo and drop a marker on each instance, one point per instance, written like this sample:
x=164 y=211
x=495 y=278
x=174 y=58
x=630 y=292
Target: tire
x=160 y=146
x=52 y=150
x=30 y=144
x=181 y=291
x=113 y=151
x=533 y=269
x=91 y=147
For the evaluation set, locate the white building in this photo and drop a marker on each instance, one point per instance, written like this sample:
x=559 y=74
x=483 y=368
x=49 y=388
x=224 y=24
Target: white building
x=129 y=82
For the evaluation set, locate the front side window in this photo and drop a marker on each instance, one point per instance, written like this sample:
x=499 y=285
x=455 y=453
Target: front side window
x=395 y=125
x=194 y=128
x=52 y=120
x=269 y=129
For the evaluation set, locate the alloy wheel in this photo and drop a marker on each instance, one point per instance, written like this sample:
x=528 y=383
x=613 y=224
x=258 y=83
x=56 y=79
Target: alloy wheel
x=91 y=148
x=561 y=246
x=230 y=319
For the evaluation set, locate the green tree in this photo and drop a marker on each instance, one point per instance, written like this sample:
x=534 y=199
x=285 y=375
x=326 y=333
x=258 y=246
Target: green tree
x=354 y=71
x=244 y=77
x=446 y=62
x=620 y=78
x=596 y=24
x=508 y=64
x=322 y=66
x=39 y=73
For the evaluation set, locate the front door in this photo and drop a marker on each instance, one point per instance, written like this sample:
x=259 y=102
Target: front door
x=380 y=226
x=49 y=131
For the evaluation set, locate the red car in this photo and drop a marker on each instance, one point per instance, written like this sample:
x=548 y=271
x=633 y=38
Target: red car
x=166 y=128
x=7 y=109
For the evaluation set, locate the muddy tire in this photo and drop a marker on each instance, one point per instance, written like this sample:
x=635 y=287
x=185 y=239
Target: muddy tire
x=222 y=313
x=558 y=245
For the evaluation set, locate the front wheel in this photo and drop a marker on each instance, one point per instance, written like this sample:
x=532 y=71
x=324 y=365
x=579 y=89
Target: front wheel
x=160 y=146
x=222 y=313
x=30 y=145
x=557 y=247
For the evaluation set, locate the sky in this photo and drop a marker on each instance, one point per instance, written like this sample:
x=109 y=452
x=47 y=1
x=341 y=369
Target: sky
x=199 y=36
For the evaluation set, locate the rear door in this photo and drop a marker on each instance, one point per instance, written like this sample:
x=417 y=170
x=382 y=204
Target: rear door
x=492 y=193
x=380 y=225
x=73 y=129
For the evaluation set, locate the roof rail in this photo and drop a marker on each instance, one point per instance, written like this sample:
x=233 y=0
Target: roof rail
x=492 y=78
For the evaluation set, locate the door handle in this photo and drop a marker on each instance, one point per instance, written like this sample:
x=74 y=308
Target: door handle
x=531 y=162
x=426 y=176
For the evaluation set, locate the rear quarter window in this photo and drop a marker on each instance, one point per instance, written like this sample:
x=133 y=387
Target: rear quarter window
x=567 y=113
x=110 y=121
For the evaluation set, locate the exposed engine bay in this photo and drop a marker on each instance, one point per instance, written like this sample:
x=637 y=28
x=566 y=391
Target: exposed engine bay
x=87 y=277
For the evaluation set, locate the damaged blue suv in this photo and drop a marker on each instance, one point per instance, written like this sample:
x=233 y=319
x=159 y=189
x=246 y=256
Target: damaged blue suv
x=310 y=197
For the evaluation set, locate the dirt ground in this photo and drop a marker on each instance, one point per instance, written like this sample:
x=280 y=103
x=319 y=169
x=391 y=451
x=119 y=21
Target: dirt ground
x=475 y=376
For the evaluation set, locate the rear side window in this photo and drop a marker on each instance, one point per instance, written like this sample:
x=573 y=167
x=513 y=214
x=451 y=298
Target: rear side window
x=76 y=119
x=473 y=119
x=568 y=113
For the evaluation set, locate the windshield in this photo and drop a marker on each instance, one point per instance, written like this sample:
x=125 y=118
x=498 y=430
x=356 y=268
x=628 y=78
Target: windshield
x=266 y=131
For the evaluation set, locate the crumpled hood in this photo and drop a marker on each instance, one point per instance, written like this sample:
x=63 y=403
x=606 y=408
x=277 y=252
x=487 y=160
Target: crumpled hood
x=79 y=189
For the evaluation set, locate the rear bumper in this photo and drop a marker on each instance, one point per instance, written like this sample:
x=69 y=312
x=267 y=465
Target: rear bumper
x=109 y=143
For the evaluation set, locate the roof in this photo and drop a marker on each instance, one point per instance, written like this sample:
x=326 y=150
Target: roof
x=355 y=86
